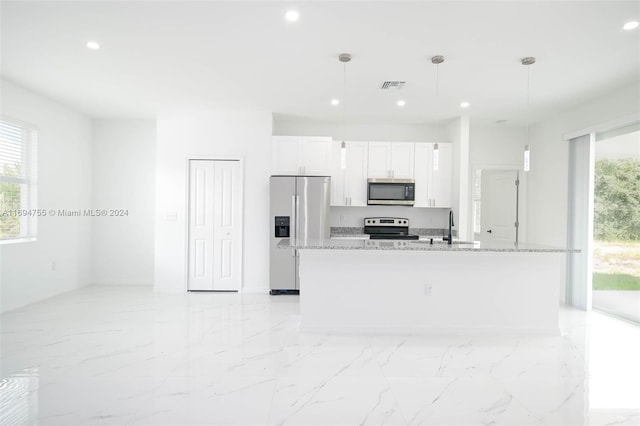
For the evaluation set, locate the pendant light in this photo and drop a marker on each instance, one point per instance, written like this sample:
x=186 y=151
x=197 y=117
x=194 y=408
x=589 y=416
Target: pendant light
x=436 y=160
x=529 y=60
x=436 y=60
x=344 y=58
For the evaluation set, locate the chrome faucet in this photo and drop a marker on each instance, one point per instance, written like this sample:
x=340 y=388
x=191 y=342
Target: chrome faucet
x=449 y=238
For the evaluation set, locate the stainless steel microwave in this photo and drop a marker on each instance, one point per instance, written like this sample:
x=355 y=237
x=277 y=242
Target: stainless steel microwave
x=401 y=192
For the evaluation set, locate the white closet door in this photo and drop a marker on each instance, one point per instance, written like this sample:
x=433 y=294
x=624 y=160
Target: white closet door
x=215 y=223
x=227 y=225
x=201 y=225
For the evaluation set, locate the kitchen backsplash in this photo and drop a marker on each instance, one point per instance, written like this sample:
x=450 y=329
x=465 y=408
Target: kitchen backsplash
x=419 y=218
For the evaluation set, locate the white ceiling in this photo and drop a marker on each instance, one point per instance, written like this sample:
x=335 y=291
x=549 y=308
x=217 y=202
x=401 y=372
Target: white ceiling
x=160 y=56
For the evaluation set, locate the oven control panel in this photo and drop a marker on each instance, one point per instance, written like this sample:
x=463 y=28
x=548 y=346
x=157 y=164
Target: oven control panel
x=386 y=221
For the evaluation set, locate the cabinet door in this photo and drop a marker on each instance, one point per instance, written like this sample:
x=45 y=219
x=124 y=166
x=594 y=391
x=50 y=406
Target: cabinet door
x=286 y=155
x=379 y=160
x=338 y=197
x=422 y=172
x=442 y=178
x=402 y=154
x=356 y=173
x=316 y=156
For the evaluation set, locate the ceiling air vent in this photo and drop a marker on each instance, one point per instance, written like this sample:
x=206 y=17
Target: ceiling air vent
x=388 y=85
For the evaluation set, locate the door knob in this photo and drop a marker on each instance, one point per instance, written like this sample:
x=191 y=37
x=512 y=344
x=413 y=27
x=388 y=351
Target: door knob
x=489 y=231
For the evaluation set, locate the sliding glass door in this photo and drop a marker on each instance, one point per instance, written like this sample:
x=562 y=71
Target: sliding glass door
x=616 y=225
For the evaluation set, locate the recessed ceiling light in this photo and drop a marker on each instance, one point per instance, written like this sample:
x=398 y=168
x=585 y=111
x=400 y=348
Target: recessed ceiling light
x=464 y=104
x=631 y=25
x=335 y=102
x=93 y=45
x=292 y=16
x=401 y=103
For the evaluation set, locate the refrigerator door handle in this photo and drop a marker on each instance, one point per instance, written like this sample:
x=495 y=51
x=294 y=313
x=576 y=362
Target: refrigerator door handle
x=294 y=228
x=297 y=224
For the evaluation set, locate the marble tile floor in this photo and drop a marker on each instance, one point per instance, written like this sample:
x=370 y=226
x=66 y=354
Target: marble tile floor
x=129 y=356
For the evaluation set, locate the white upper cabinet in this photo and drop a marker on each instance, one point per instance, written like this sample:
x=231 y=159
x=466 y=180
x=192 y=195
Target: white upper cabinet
x=442 y=179
x=349 y=185
x=305 y=155
x=316 y=156
x=433 y=187
x=402 y=160
x=301 y=155
x=391 y=160
x=422 y=174
x=285 y=155
x=379 y=159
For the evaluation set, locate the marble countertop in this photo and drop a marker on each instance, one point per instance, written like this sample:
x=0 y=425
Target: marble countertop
x=420 y=245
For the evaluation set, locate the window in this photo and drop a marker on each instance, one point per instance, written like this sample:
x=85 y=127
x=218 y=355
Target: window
x=18 y=183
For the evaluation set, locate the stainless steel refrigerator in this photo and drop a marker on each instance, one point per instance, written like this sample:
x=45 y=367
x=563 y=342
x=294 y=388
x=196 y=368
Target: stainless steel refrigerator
x=299 y=212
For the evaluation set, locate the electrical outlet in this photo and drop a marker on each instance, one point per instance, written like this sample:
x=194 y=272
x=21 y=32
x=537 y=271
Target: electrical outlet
x=54 y=266
x=428 y=289
x=341 y=218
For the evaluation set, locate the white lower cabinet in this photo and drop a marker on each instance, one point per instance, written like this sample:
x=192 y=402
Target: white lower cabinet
x=433 y=187
x=349 y=185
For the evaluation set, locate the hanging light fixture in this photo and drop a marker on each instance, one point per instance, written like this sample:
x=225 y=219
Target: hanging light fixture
x=344 y=58
x=436 y=60
x=436 y=160
x=529 y=60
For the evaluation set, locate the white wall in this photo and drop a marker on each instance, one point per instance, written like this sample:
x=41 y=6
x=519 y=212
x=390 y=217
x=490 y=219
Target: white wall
x=64 y=182
x=226 y=134
x=548 y=178
x=124 y=178
x=361 y=132
x=496 y=145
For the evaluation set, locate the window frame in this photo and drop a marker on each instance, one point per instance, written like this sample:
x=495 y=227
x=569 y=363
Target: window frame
x=28 y=180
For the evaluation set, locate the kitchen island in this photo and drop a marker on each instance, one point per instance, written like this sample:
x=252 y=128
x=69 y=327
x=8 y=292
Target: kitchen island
x=378 y=286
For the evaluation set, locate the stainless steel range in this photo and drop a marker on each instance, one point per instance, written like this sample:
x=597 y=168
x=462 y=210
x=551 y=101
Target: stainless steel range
x=388 y=228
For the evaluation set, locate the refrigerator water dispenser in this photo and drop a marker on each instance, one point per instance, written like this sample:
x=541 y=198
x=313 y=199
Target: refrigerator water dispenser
x=282 y=226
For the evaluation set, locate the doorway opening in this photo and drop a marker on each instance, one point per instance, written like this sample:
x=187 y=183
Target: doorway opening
x=616 y=225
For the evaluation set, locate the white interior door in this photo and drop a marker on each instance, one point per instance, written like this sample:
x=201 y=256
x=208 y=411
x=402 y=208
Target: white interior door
x=226 y=228
x=498 y=206
x=214 y=225
x=201 y=200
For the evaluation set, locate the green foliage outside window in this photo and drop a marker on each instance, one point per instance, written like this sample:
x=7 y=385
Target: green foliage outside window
x=9 y=202
x=617 y=200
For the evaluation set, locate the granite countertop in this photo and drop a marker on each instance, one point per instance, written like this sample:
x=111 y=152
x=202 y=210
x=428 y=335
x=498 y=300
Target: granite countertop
x=358 y=232
x=420 y=245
